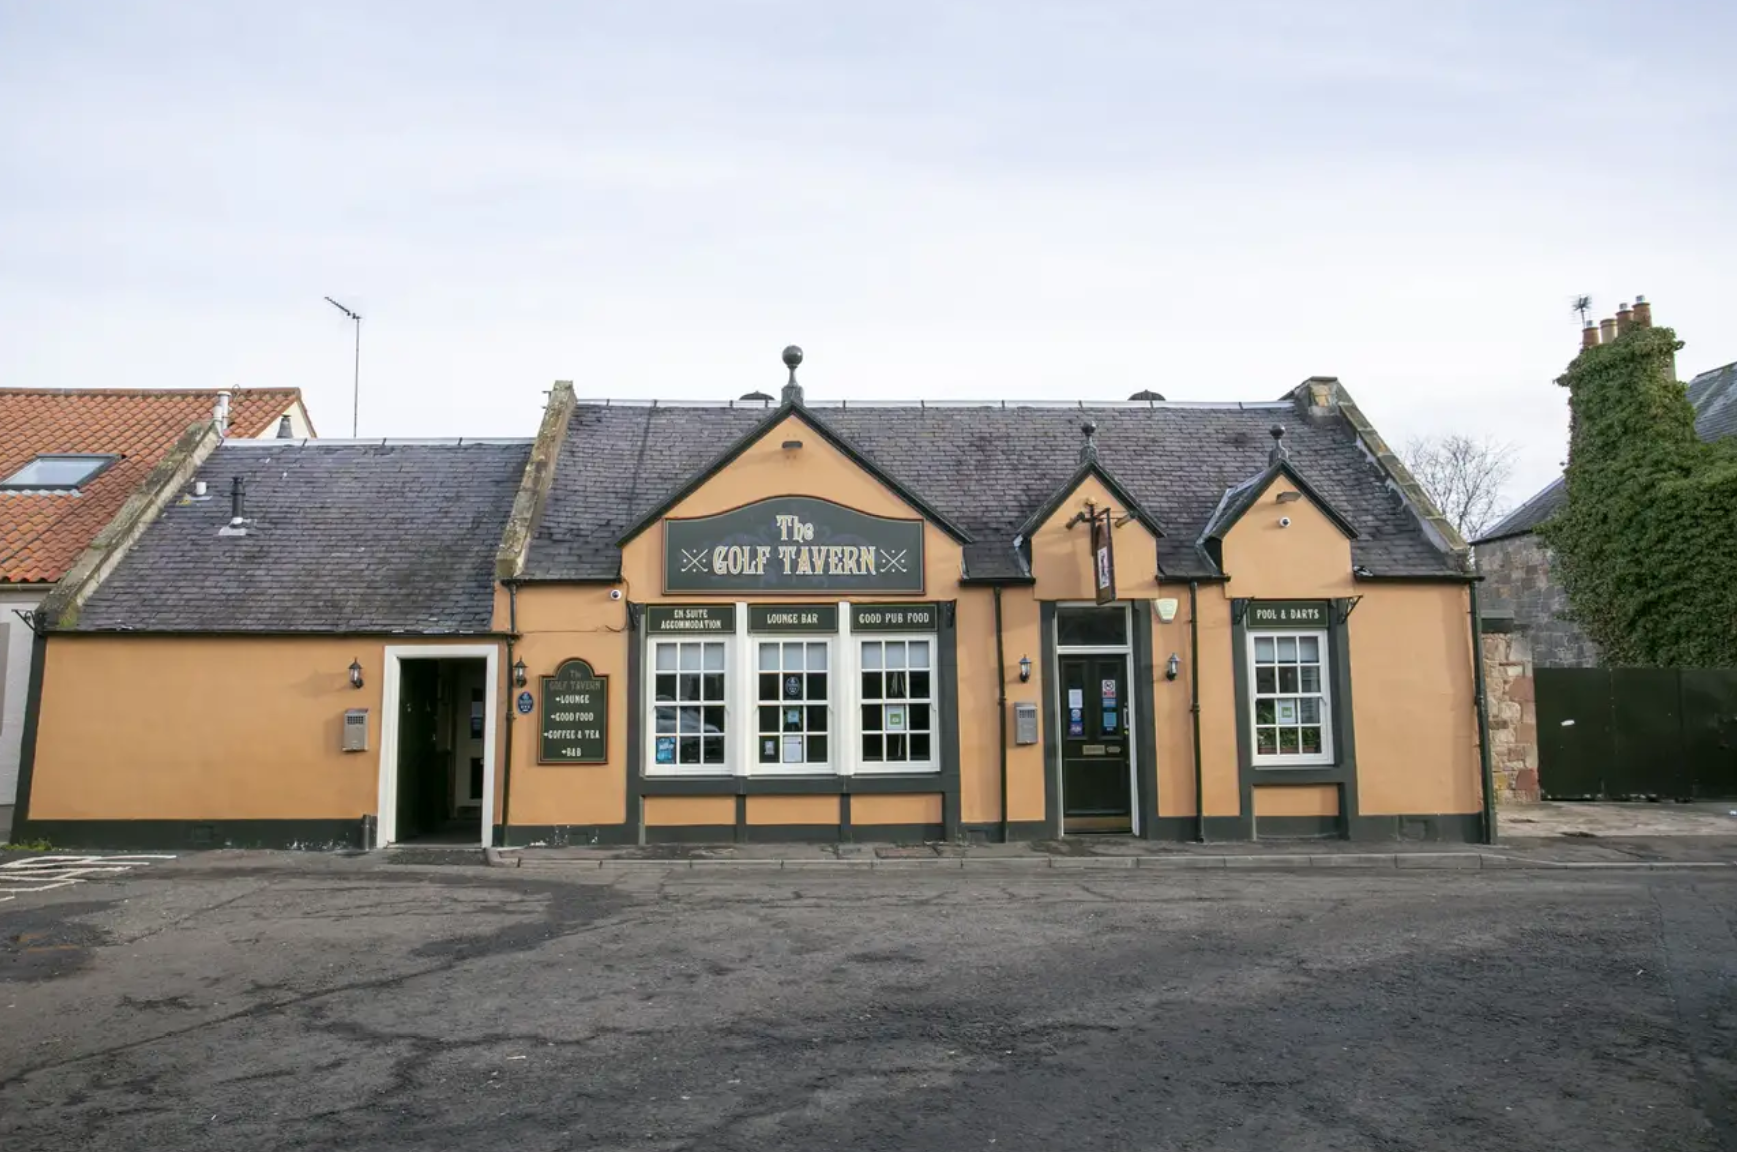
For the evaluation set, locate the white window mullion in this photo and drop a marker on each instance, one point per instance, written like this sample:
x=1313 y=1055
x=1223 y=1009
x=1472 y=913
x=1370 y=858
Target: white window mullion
x=744 y=697
x=847 y=720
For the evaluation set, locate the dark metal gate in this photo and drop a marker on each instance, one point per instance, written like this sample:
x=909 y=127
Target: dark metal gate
x=1614 y=733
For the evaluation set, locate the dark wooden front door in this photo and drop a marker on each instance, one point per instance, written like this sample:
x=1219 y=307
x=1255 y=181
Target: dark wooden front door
x=1096 y=793
x=422 y=781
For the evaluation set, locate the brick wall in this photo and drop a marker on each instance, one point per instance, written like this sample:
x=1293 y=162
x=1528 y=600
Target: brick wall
x=1516 y=574
x=1513 y=715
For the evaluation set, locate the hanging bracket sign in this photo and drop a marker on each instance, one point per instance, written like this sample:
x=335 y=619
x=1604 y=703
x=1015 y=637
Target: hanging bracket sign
x=574 y=716
x=1104 y=555
x=792 y=544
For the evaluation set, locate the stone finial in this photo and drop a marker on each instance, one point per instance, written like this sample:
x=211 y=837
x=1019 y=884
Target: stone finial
x=1279 y=453
x=1089 y=450
x=792 y=390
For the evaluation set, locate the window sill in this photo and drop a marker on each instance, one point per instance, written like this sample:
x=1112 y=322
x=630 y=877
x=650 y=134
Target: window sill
x=897 y=769
x=1284 y=765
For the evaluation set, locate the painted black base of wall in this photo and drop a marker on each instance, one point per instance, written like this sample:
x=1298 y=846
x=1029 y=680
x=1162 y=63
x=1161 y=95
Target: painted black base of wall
x=1017 y=831
x=567 y=836
x=185 y=835
x=793 y=834
x=1444 y=828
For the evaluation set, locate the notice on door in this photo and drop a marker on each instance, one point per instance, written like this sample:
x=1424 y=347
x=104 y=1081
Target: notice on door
x=575 y=717
x=1109 y=690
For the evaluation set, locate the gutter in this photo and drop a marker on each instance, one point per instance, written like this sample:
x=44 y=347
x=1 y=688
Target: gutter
x=1001 y=707
x=1483 y=721
x=1194 y=707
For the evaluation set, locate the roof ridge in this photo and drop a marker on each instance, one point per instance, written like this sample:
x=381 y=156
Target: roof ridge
x=14 y=390
x=847 y=404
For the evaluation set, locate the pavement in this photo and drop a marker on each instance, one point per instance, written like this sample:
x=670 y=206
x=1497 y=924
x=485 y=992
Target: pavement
x=246 y=1001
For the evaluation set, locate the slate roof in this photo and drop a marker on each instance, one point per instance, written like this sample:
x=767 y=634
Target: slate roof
x=1714 y=395
x=987 y=468
x=345 y=537
x=42 y=533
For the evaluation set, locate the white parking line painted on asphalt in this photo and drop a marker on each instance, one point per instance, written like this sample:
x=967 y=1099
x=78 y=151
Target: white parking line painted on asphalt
x=44 y=873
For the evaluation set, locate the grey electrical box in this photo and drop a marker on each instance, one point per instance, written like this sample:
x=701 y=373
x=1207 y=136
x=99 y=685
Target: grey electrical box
x=356 y=730
x=1025 y=723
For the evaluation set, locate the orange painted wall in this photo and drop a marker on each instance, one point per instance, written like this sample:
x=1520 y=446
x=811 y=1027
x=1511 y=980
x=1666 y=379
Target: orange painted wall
x=1309 y=560
x=1411 y=679
x=1296 y=800
x=686 y=811
x=877 y=809
x=1061 y=557
x=793 y=810
x=560 y=622
x=1022 y=635
x=1217 y=706
x=216 y=728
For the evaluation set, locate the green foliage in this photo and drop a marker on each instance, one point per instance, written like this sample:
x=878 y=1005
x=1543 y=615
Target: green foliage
x=28 y=846
x=1646 y=547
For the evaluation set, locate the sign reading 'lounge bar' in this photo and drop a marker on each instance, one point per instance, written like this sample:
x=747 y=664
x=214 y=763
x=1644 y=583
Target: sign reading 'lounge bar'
x=793 y=544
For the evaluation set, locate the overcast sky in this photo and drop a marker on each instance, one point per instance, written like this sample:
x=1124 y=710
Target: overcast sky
x=991 y=199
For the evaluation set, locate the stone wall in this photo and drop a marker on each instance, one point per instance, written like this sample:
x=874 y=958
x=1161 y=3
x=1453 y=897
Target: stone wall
x=1516 y=574
x=1513 y=715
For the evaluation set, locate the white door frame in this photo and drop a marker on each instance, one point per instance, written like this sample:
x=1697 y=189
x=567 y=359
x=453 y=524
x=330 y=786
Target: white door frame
x=386 y=815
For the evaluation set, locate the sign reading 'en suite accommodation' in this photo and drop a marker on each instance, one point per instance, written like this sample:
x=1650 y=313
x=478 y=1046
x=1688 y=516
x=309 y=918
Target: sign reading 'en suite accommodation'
x=793 y=544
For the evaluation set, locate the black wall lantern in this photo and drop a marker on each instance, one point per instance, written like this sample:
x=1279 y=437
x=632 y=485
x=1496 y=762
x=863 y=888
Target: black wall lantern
x=519 y=673
x=1024 y=669
x=355 y=673
x=1172 y=666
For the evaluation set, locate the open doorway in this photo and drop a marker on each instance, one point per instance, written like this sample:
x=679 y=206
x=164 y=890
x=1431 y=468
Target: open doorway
x=437 y=758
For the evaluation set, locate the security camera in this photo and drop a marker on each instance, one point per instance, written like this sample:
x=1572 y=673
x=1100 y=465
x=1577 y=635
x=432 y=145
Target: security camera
x=1284 y=521
x=615 y=593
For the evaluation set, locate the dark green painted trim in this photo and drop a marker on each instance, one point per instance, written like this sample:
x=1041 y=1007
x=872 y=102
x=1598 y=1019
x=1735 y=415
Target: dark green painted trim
x=1244 y=749
x=726 y=834
x=1299 y=827
x=1420 y=578
x=899 y=833
x=1344 y=711
x=1447 y=827
x=988 y=581
x=140 y=835
x=990 y=832
x=928 y=783
x=1051 y=722
x=947 y=659
x=688 y=834
x=844 y=827
x=741 y=817
x=1145 y=700
x=754 y=434
x=572 y=835
x=635 y=814
x=1184 y=829
x=21 y=830
x=1480 y=701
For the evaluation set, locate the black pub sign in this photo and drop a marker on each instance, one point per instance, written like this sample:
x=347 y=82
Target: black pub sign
x=574 y=716
x=895 y=617
x=815 y=618
x=704 y=619
x=1287 y=614
x=792 y=544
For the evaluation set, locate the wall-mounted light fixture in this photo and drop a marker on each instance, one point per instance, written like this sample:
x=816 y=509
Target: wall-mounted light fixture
x=519 y=673
x=1024 y=669
x=1289 y=496
x=1172 y=667
x=355 y=673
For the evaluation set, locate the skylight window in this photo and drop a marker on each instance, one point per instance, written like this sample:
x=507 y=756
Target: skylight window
x=61 y=472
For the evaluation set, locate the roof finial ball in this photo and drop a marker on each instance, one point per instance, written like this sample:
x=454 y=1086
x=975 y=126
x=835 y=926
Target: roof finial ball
x=1089 y=450
x=1279 y=451
x=792 y=390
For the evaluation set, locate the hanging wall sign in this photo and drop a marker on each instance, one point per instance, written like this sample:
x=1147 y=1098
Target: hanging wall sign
x=793 y=544
x=575 y=716
x=1287 y=614
x=701 y=618
x=1104 y=555
x=895 y=617
x=793 y=617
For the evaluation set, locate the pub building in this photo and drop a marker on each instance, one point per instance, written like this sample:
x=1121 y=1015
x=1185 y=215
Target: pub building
x=776 y=620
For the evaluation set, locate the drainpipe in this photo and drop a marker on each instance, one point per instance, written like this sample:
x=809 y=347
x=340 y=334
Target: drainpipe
x=511 y=711
x=1483 y=720
x=1001 y=706
x=1194 y=706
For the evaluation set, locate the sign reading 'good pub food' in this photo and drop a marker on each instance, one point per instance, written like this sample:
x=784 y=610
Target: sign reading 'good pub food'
x=793 y=544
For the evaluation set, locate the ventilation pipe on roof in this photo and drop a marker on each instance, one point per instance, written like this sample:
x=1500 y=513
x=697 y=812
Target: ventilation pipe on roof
x=237 y=525
x=284 y=432
x=220 y=414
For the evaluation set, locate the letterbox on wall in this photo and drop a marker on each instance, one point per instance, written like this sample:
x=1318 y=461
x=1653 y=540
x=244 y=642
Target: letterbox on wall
x=356 y=730
x=1025 y=723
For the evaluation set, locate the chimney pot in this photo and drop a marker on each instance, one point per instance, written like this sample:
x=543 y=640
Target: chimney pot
x=1606 y=330
x=1589 y=335
x=1624 y=318
x=1643 y=313
x=220 y=413
x=283 y=427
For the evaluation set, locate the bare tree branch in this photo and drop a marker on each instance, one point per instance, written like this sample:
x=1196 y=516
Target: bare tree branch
x=1466 y=477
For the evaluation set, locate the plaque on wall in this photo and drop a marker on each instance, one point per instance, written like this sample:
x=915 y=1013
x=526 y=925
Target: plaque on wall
x=793 y=544
x=1287 y=614
x=575 y=716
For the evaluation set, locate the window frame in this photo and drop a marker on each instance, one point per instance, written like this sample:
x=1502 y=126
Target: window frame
x=101 y=461
x=865 y=767
x=1283 y=760
x=649 y=705
x=755 y=766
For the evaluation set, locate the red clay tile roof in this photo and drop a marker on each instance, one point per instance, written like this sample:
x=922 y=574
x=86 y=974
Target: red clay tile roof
x=41 y=534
